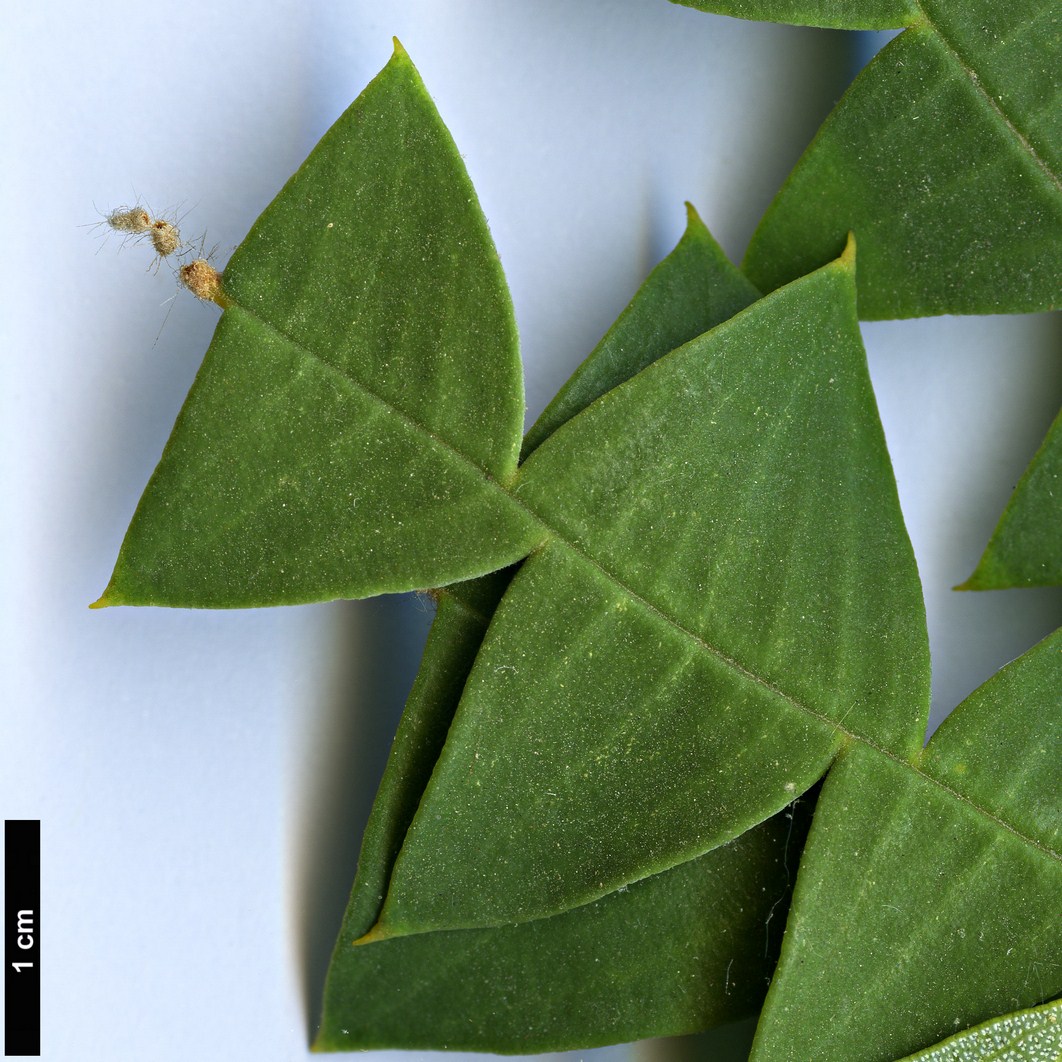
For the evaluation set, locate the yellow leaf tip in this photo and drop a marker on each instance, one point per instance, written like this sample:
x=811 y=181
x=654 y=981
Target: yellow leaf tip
x=983 y=577
x=400 y=51
x=109 y=598
x=848 y=255
x=374 y=936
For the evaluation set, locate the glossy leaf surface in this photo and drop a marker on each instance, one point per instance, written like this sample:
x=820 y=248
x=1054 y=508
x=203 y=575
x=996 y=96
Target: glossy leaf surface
x=937 y=882
x=944 y=158
x=1029 y=1036
x=361 y=402
x=688 y=651
x=1026 y=547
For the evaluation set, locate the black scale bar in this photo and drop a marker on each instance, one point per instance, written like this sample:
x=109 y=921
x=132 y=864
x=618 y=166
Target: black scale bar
x=22 y=942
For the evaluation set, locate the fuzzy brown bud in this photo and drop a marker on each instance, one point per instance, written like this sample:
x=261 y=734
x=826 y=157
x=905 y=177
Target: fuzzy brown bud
x=202 y=280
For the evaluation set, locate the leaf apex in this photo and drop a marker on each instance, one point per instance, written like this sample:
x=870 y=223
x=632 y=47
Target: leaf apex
x=978 y=581
x=104 y=601
x=986 y=576
x=373 y=936
x=400 y=51
x=848 y=255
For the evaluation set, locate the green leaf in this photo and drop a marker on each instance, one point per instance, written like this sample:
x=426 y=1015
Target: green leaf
x=678 y=953
x=933 y=884
x=455 y=637
x=688 y=651
x=829 y=14
x=692 y=290
x=1026 y=547
x=675 y=953
x=360 y=407
x=528 y=988
x=944 y=158
x=1029 y=1036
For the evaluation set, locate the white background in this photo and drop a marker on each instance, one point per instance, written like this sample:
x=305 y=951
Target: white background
x=201 y=777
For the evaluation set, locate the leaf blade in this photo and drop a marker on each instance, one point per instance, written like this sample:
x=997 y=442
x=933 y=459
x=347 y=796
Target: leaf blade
x=942 y=158
x=239 y=515
x=827 y=14
x=885 y=828
x=1026 y=546
x=690 y=291
x=367 y=356
x=1033 y=1035
x=693 y=289
x=421 y=314
x=937 y=234
x=670 y=955
x=604 y=750
x=572 y=801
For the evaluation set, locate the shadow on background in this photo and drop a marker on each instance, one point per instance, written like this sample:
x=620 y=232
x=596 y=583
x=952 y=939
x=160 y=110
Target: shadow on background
x=812 y=76
x=728 y=1043
x=377 y=646
x=1024 y=431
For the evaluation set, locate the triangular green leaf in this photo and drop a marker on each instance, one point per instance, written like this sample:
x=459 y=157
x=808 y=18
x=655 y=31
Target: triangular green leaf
x=692 y=290
x=934 y=884
x=676 y=953
x=944 y=158
x=1026 y=547
x=688 y=651
x=559 y=983
x=1029 y=1036
x=455 y=637
x=360 y=407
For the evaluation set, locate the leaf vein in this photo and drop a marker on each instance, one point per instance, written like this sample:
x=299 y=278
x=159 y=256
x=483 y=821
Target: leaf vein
x=653 y=609
x=360 y=386
x=975 y=80
x=736 y=665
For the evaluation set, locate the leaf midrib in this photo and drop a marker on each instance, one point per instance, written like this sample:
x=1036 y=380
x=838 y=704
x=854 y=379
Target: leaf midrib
x=543 y=522
x=850 y=735
x=974 y=79
x=650 y=607
x=368 y=392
